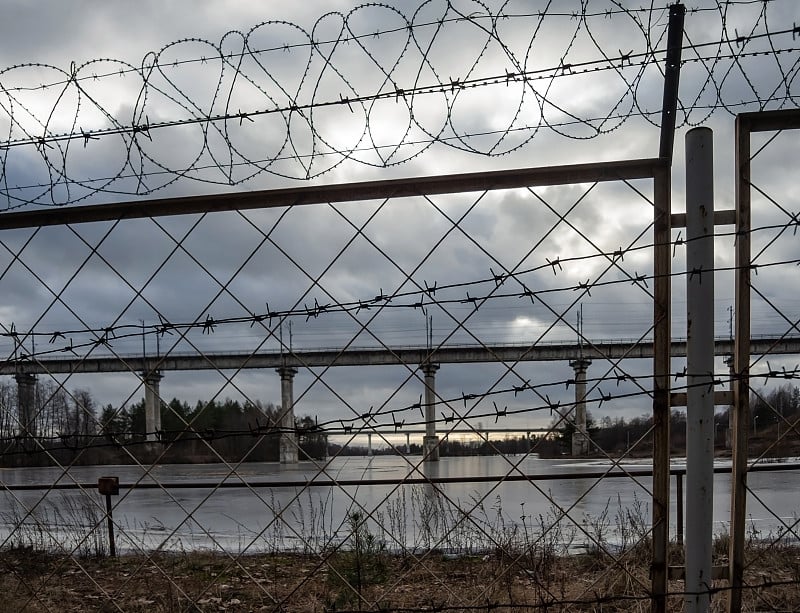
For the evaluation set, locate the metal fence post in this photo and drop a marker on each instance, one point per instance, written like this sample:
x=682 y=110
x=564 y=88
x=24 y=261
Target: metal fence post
x=699 y=366
x=662 y=331
x=679 y=507
x=662 y=309
x=741 y=366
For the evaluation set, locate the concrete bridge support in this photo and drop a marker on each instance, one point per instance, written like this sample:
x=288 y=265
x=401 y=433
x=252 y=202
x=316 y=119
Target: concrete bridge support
x=580 y=437
x=152 y=404
x=408 y=443
x=430 y=442
x=26 y=403
x=731 y=408
x=369 y=444
x=288 y=443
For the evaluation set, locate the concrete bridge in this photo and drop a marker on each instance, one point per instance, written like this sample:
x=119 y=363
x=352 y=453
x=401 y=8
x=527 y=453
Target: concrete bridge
x=151 y=369
x=380 y=356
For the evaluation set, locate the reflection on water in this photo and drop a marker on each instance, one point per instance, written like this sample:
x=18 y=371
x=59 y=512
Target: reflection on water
x=425 y=515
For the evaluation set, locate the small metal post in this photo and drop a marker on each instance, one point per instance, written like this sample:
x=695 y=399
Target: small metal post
x=700 y=367
x=108 y=487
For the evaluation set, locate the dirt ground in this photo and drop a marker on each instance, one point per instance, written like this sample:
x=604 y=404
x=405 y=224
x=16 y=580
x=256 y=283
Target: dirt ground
x=348 y=581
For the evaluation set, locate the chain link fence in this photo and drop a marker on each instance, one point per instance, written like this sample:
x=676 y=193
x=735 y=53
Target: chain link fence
x=503 y=357
x=459 y=392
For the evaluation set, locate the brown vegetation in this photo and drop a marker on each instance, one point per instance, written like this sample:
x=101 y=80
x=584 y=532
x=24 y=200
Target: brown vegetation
x=544 y=563
x=329 y=582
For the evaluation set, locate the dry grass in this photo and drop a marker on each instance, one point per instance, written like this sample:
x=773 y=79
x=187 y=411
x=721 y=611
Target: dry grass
x=499 y=566
x=32 y=581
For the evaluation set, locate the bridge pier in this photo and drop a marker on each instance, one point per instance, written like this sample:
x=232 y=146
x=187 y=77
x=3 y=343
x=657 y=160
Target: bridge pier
x=580 y=437
x=430 y=442
x=369 y=444
x=26 y=403
x=731 y=408
x=286 y=423
x=152 y=404
x=408 y=443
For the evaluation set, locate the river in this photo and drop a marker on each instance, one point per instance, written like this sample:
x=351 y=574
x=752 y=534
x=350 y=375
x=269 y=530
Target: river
x=454 y=516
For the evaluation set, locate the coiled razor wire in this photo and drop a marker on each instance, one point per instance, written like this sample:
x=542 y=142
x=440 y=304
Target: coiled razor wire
x=282 y=101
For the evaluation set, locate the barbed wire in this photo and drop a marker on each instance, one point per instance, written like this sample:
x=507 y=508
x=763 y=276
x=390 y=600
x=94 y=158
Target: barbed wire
x=350 y=37
x=560 y=71
x=495 y=281
x=107 y=335
x=556 y=265
x=349 y=75
x=733 y=107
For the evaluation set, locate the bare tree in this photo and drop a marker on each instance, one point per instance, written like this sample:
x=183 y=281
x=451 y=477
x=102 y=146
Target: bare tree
x=84 y=420
x=53 y=414
x=8 y=409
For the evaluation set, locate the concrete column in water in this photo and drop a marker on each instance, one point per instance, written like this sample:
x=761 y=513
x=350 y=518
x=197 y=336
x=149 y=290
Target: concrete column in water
x=732 y=379
x=288 y=443
x=580 y=437
x=26 y=403
x=152 y=404
x=369 y=443
x=408 y=443
x=430 y=442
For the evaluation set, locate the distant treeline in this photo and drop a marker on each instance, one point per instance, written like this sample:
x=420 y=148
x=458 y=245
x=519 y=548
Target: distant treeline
x=67 y=428
x=770 y=410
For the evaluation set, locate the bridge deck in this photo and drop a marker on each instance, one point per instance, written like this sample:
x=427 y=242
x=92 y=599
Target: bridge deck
x=508 y=354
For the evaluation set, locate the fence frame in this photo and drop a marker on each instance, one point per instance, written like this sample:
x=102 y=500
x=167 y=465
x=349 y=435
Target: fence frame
x=746 y=124
x=658 y=169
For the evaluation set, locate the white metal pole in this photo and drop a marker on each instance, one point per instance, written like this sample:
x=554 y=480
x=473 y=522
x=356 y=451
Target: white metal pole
x=699 y=366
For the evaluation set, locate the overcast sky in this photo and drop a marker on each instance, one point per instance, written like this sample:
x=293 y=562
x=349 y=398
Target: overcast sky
x=230 y=265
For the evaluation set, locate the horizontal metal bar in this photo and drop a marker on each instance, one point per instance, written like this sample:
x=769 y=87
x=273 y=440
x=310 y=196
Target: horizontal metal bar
x=771 y=121
x=725 y=217
x=721 y=398
x=342 y=192
x=678 y=573
x=188 y=485
x=482 y=432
